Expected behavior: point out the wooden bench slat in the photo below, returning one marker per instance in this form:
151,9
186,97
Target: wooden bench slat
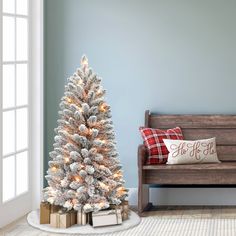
191,177
226,153
199,167
192,121
223,136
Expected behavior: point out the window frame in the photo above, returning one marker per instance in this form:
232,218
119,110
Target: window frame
16,107
36,124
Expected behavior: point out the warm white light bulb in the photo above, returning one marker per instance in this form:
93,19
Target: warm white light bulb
116,175
102,167
80,82
53,168
69,100
74,201
104,186
84,61
77,178
120,189
103,107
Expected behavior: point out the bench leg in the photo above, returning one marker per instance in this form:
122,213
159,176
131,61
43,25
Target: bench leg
143,196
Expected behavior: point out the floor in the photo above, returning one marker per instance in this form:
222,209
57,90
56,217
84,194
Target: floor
194,212
176,214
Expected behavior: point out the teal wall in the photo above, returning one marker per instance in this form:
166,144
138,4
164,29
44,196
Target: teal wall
168,56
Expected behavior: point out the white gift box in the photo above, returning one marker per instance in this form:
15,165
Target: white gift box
107,217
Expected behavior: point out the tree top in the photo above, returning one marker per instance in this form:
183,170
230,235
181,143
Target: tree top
84,61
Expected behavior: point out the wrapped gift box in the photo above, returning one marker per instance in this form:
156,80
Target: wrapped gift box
106,218
65,220
45,209
73,217
55,208
125,210
81,217
62,220
124,207
55,220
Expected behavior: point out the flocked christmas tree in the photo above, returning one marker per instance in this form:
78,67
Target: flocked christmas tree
84,168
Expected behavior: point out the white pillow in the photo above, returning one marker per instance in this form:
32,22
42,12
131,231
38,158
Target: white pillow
191,152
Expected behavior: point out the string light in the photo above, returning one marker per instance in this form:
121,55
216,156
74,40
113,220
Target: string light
104,186
99,92
102,141
120,189
103,107
54,168
66,159
102,167
84,62
80,81
74,201
69,100
77,178
117,175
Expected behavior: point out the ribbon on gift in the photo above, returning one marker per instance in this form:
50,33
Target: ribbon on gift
104,213
55,220
118,216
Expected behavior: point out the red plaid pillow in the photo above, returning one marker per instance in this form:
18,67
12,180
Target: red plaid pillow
153,140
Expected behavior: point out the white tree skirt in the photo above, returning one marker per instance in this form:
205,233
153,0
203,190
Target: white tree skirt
33,219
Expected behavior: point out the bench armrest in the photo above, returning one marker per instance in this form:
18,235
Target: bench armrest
142,155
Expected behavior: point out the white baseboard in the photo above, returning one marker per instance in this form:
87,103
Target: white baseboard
187,196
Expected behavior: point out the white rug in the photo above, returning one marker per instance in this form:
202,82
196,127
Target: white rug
149,226
134,220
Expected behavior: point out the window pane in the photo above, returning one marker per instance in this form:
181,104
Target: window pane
21,84
8,180
21,128
22,7
8,38
21,39
8,6
8,93
8,126
21,172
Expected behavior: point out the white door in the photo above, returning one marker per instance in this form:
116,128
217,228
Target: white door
15,159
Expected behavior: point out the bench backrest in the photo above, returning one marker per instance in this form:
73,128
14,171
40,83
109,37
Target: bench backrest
223,127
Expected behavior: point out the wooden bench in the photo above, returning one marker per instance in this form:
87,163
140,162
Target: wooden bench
223,127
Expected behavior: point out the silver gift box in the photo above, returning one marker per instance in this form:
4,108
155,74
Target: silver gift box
106,218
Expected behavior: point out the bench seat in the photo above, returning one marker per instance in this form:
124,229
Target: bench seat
199,174
200,167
